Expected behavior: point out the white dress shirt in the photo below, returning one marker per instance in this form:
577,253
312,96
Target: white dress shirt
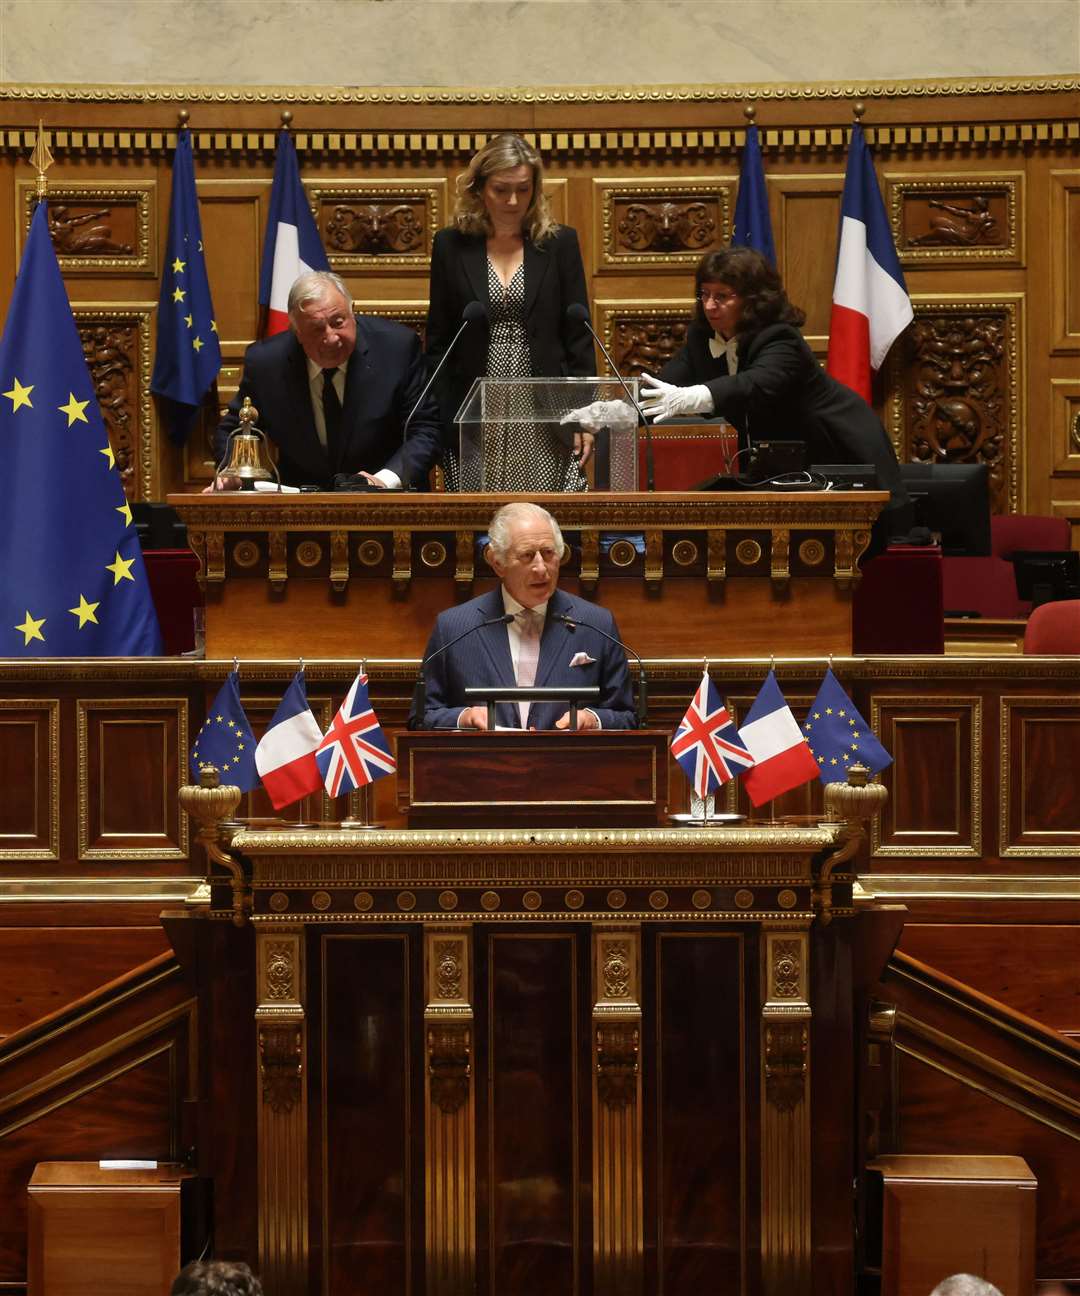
315,385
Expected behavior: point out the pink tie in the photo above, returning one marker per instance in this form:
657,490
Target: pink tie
528,655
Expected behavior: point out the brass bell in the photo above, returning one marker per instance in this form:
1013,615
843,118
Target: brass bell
244,452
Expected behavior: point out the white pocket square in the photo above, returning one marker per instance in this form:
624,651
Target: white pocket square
582,659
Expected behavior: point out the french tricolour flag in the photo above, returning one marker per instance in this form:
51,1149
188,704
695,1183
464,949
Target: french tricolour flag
782,757
292,245
871,307
285,756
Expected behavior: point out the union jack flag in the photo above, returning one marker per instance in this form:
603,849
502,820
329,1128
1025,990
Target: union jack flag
707,744
354,750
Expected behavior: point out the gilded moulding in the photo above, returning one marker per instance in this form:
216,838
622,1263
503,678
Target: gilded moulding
287,96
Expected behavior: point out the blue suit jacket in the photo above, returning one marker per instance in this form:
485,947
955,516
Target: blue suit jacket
484,658
383,381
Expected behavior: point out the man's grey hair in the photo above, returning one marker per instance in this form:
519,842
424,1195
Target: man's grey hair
509,516
965,1285
314,287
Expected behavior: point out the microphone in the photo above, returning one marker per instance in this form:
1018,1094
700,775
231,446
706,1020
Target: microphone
419,698
579,314
474,310
643,683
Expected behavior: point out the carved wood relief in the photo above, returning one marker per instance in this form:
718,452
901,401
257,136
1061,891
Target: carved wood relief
659,226
368,227
97,229
956,384
938,220
643,335
115,338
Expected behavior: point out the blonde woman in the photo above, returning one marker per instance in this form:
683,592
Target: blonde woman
505,251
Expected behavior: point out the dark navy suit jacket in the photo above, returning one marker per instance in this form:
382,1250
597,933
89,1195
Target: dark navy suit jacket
383,381
484,658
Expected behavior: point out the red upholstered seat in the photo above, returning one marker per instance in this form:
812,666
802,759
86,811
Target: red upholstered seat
988,585
1054,628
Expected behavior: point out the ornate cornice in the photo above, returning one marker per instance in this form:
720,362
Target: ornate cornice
287,96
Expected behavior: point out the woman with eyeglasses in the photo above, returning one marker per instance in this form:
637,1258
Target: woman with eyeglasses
746,359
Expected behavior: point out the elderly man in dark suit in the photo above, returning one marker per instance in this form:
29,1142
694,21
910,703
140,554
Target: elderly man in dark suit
333,393
526,639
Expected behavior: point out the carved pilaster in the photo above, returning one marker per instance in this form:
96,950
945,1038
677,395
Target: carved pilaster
785,1112
449,1111
618,1216
282,1110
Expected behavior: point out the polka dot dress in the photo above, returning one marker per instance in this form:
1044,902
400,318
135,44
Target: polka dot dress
520,455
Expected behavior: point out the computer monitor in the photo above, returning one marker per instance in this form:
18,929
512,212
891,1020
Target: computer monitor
1046,575
953,501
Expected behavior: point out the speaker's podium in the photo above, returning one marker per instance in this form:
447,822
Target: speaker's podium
597,778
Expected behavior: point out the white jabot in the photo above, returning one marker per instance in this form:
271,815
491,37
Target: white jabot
719,346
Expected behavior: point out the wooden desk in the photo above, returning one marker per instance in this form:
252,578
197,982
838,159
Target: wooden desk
95,1230
352,575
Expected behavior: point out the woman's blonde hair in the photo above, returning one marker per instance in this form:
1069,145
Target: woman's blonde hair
502,153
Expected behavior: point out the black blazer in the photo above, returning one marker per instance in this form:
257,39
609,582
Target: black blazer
781,392
554,279
383,380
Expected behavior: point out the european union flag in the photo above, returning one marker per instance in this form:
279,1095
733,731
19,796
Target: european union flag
225,740
753,228
73,578
188,356
838,736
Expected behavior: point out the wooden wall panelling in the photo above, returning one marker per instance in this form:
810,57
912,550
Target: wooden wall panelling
108,1079
132,753
806,219
936,781
1065,268
1027,966
699,1084
534,1228
1065,430
29,779
1040,752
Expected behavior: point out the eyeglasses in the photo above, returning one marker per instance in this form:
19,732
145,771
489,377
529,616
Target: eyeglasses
720,298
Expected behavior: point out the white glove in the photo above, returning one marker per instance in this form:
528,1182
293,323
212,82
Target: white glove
609,413
661,400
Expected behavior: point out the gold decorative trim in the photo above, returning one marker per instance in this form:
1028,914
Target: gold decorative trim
1013,780
607,191
50,812
101,890
157,705
970,886
929,710
431,192
1010,252
143,258
1011,306
147,471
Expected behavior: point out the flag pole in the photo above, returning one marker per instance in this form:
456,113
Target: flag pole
41,159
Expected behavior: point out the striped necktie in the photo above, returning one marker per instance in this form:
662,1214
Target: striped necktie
528,655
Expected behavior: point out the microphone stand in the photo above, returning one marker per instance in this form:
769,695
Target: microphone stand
419,698
643,683
578,313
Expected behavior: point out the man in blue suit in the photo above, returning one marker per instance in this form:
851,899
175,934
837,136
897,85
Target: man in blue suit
525,550
333,393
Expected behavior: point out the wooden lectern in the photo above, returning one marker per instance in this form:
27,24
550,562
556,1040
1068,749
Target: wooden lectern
615,778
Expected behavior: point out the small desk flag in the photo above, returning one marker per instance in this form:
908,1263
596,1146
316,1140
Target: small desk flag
73,582
782,759
871,306
188,355
753,227
285,756
292,245
707,744
225,739
355,750
838,736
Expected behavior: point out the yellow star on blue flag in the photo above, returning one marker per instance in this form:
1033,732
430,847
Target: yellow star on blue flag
63,515
183,374
838,736
225,739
